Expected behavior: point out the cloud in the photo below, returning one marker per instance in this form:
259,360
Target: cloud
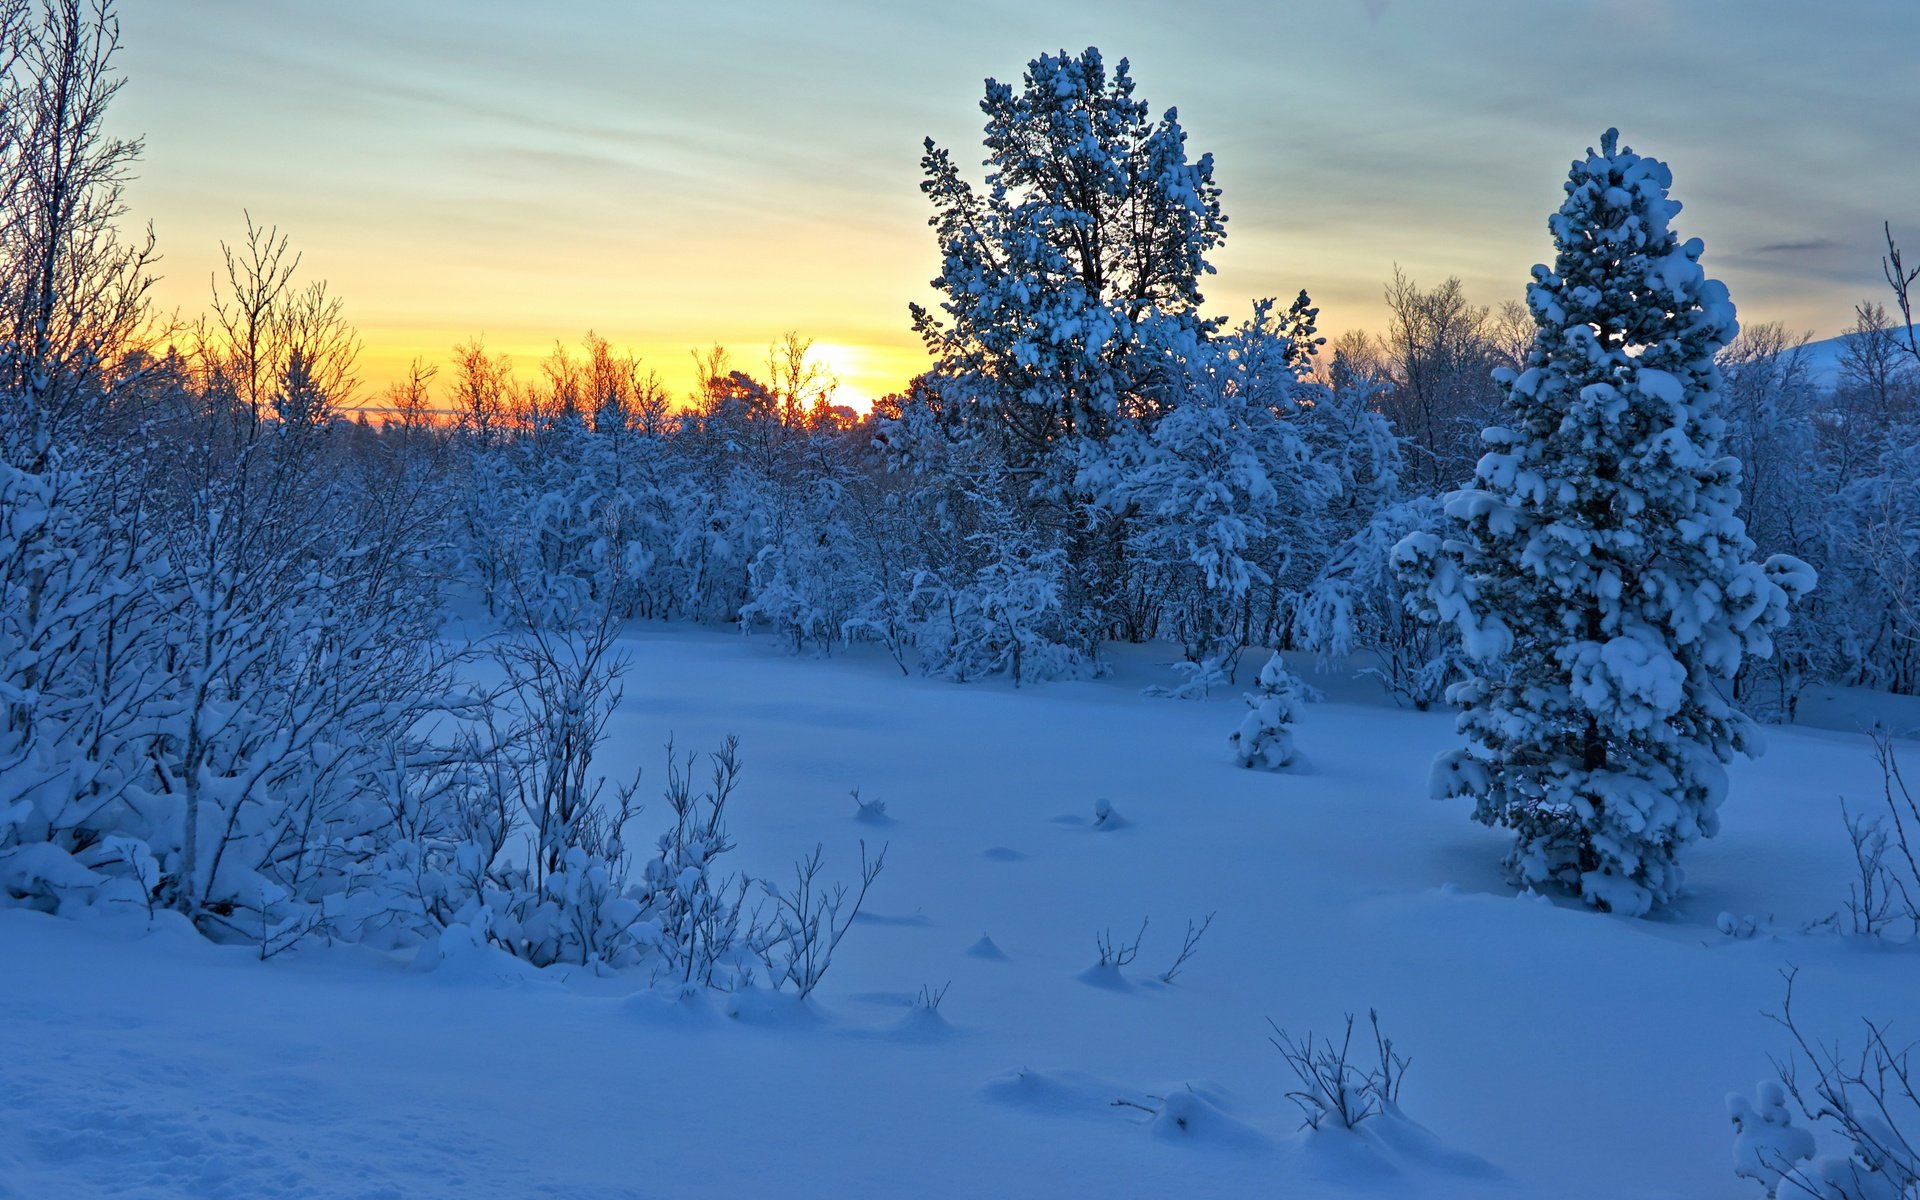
1816,246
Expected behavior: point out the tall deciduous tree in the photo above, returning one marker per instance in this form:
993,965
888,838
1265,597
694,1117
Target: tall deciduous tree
1597,569
73,293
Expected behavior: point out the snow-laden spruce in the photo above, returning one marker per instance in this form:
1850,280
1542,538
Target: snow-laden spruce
1601,583
1265,736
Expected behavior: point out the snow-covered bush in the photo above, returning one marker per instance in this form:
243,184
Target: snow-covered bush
1008,619
1770,406
777,599
1885,889
1265,736
81,626
1876,537
796,941
1197,679
1596,572
1004,609
696,911
1115,954
1870,1098
553,886
516,839
212,653
1334,1089
1766,1142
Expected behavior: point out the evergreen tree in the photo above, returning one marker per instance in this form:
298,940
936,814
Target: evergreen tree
1265,736
1083,251
1596,570
1092,222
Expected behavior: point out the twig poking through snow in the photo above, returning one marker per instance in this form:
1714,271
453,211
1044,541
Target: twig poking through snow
1188,946
1114,955
1331,1087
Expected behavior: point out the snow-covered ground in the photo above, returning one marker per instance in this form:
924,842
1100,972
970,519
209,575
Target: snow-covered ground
1555,1051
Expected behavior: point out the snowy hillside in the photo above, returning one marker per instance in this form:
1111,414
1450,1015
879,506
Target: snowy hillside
1822,359
1555,1051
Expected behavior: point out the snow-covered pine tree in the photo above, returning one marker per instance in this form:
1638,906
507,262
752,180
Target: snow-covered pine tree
1598,575
1093,221
1091,233
1265,736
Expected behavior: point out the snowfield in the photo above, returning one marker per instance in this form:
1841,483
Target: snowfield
1555,1051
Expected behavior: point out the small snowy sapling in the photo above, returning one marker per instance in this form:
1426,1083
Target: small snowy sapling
1265,736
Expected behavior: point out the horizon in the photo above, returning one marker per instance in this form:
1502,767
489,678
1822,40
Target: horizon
673,181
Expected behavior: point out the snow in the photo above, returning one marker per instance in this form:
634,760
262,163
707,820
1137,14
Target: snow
1768,1144
1822,358
1555,1050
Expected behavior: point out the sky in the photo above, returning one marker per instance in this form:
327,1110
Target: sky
677,175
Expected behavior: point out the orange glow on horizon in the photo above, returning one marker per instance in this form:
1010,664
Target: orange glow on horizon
862,370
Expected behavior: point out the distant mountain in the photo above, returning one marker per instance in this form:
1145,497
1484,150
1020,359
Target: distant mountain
1823,360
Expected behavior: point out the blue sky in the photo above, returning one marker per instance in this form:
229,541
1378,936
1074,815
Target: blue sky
673,175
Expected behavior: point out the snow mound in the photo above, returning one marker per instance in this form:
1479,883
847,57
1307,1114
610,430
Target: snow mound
1387,1147
986,948
1066,1093
922,1024
665,1008
770,1010
462,956
1105,975
1189,1118
1182,1113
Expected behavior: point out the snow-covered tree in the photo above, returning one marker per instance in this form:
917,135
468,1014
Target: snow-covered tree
1358,604
1875,530
1094,226
1596,571
1093,220
1441,350
1265,736
1772,428
1224,491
